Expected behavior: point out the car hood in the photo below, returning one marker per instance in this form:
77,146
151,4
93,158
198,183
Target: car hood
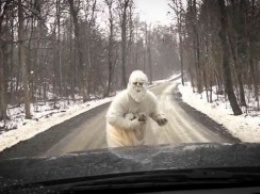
130,159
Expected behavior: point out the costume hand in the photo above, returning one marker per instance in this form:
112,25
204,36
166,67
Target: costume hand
135,124
142,117
161,120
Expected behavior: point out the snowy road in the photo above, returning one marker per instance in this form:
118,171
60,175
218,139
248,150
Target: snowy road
183,127
87,131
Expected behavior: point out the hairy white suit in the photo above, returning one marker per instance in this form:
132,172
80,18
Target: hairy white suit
128,114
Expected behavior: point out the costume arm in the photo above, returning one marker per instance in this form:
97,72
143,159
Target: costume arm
156,114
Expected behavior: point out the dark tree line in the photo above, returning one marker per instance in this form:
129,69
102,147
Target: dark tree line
220,43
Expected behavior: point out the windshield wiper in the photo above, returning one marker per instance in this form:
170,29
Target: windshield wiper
156,180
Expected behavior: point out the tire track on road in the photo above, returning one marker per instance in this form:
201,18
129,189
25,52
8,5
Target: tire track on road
186,125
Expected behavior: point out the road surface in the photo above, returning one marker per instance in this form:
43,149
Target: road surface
87,131
182,128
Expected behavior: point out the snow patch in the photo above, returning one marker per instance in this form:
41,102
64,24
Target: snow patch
246,127
43,120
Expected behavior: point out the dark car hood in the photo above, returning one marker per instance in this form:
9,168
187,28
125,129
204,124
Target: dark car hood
124,160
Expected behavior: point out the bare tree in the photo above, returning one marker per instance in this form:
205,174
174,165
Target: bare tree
22,55
238,43
226,66
177,6
123,9
109,4
148,41
58,16
3,8
74,13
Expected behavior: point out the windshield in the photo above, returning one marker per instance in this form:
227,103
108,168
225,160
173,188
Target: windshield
133,80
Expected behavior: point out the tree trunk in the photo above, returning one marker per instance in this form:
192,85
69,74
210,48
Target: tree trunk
23,60
110,48
29,63
254,70
257,86
197,48
124,41
226,66
3,114
204,73
12,62
181,58
178,9
150,56
59,48
83,81
238,71
3,104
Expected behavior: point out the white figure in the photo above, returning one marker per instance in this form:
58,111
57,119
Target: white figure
128,114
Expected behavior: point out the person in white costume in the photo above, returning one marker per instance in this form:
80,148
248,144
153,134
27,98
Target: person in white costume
127,116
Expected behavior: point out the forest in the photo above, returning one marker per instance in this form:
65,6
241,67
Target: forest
53,50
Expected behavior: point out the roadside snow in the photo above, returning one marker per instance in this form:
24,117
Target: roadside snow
246,127
42,121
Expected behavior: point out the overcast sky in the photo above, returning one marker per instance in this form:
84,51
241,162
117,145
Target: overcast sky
153,11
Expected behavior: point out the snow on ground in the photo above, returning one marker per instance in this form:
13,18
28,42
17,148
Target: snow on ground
246,127
45,118
46,115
